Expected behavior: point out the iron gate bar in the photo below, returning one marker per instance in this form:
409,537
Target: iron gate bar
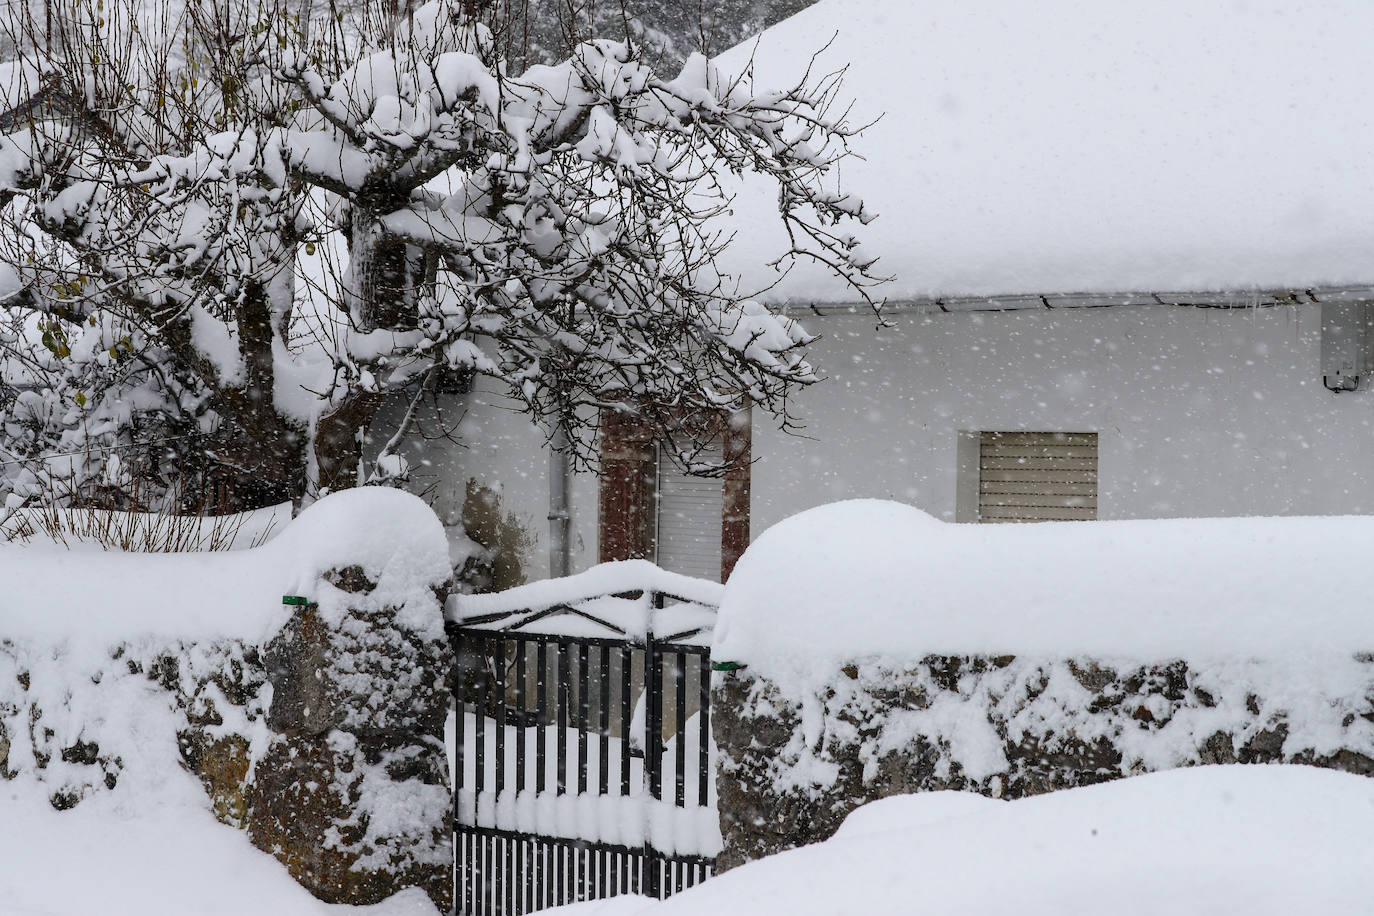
611,641
459,897
479,728
603,725
542,713
553,612
626,714
680,720
583,710
653,756
637,642
704,730
505,615
500,679
562,735
685,634
520,783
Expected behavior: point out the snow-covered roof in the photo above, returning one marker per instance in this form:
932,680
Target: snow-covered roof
871,578
1069,146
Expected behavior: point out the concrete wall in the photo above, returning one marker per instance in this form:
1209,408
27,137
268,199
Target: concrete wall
1200,412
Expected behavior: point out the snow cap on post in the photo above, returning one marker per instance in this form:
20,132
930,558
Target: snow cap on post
393,536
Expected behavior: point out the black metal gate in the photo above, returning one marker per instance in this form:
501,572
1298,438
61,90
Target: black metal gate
583,764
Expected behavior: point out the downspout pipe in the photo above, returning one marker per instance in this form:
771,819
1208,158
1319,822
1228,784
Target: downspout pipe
559,517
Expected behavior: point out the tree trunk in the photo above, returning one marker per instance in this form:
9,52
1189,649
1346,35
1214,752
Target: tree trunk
384,275
380,291
339,439
262,467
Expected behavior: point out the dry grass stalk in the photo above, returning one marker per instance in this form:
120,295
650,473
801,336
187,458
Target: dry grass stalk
73,519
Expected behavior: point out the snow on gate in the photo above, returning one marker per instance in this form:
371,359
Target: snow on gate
583,760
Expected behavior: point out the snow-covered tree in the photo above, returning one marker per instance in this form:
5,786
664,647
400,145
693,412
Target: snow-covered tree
226,218
151,314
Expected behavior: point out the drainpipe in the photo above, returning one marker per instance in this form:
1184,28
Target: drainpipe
558,501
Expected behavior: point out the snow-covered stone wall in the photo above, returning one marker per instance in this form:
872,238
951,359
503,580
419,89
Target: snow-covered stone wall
882,652
792,767
315,727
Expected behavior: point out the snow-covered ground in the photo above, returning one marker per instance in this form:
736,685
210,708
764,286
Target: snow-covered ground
125,856
1257,840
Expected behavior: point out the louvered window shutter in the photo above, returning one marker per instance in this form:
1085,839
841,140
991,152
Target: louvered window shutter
1037,477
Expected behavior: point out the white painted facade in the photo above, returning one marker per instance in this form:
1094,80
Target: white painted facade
1198,411
492,444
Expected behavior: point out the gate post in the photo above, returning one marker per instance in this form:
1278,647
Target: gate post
345,735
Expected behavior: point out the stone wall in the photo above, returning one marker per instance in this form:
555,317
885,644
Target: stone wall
793,762
326,744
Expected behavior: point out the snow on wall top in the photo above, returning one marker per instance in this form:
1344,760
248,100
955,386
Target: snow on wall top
603,579
1082,146
93,598
870,578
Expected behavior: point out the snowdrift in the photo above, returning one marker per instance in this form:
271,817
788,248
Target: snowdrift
873,578
97,599
1266,841
144,696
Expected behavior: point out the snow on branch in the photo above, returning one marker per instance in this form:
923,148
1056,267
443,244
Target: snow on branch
290,228
568,216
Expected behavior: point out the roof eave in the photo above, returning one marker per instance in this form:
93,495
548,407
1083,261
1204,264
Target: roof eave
1226,299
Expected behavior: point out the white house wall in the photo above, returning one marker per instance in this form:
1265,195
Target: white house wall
1200,412
495,446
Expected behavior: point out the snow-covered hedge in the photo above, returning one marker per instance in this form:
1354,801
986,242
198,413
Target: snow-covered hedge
885,652
316,727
